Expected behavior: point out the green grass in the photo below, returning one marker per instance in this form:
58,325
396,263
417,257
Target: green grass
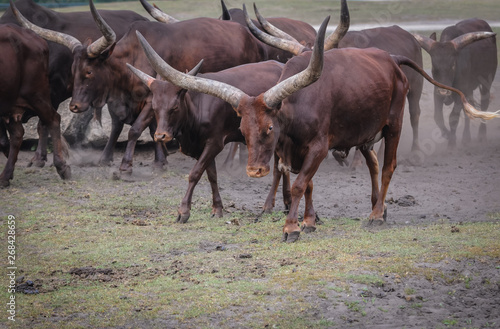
169,269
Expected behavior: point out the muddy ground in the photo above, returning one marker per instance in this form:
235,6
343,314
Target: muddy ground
435,185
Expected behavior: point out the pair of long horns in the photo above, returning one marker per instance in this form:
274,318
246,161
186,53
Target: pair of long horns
459,42
272,98
279,39
93,50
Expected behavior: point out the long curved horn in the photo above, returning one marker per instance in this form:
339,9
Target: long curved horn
108,38
64,39
271,29
157,14
468,38
425,42
285,88
146,78
226,16
333,40
287,45
230,94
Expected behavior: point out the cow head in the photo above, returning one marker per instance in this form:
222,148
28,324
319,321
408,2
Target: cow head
167,103
88,62
444,55
259,115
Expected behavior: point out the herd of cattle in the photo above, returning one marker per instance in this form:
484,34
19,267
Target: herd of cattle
274,84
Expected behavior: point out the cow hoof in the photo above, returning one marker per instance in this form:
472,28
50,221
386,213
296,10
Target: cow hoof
376,223
291,237
116,175
65,172
182,218
308,229
36,163
4,183
217,213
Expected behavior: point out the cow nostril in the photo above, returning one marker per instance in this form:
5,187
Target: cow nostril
160,137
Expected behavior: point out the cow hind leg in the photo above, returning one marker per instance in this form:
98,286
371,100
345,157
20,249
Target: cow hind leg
309,223
16,132
373,167
414,109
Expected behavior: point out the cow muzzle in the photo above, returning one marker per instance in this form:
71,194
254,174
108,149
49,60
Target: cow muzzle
258,172
163,137
77,107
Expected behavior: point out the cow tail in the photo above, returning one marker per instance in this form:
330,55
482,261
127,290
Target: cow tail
469,109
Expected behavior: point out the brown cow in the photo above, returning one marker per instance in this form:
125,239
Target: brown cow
203,124
24,93
357,100
465,57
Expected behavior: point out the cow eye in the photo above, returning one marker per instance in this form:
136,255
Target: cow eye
270,128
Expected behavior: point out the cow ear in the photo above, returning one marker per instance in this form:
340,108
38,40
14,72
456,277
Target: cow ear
433,36
105,54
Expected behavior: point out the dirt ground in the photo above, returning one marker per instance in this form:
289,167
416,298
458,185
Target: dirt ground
460,185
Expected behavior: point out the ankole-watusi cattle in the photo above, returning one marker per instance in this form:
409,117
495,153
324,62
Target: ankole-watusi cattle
101,75
203,124
337,100
24,93
80,25
300,31
465,57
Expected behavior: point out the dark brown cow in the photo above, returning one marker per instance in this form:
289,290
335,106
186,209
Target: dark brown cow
466,58
101,75
397,41
80,25
301,120
24,93
203,124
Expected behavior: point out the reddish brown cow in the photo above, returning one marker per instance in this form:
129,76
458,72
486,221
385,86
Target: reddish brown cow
358,100
203,124
24,93
101,75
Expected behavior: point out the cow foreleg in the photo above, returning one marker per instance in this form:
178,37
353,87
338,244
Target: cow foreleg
160,148
143,120
438,115
414,109
485,103
16,132
4,140
54,125
40,156
291,230
271,197
116,129
205,160
216,199
454,118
